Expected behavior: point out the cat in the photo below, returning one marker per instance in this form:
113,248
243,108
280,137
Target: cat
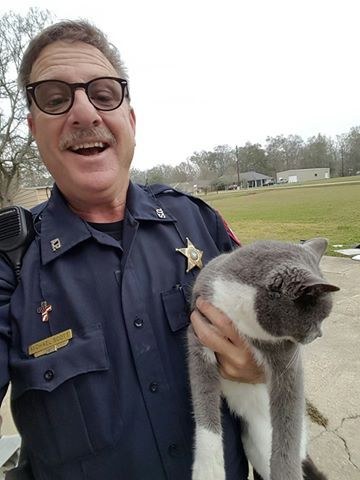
275,294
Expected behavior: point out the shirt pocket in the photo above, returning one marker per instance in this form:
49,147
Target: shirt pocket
176,303
64,403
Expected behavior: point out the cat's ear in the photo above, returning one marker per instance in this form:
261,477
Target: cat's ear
294,282
317,246
319,287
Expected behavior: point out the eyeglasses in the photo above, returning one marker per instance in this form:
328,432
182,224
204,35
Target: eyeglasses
55,97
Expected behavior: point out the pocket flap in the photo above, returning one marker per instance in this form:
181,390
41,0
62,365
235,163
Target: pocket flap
176,307
84,353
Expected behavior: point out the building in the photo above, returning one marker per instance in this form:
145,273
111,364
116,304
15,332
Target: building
28,197
245,180
302,175
254,179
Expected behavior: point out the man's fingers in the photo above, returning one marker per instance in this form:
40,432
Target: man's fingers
207,333
240,369
235,363
210,336
217,332
224,325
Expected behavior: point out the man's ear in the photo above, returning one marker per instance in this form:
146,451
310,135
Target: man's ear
132,117
31,124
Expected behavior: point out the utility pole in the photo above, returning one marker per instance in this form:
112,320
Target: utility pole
237,164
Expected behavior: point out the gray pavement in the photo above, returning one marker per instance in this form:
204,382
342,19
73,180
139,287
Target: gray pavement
332,378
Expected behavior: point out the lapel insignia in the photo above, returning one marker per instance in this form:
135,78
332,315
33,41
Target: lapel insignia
55,244
160,213
193,255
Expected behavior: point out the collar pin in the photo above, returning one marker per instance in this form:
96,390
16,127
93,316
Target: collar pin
160,213
55,244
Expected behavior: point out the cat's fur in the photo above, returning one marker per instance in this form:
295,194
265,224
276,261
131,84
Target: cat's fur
275,294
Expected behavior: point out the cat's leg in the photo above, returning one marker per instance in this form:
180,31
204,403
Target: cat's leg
206,397
287,408
310,471
251,403
257,476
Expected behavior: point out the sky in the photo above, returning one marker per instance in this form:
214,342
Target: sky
205,73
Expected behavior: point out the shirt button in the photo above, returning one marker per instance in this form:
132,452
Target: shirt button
175,450
138,322
153,387
49,375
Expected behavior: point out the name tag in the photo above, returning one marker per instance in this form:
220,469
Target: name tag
51,344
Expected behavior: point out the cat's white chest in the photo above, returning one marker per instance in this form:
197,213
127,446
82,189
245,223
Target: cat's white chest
251,403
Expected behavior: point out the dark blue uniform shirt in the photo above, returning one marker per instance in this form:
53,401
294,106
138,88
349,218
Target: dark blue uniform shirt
113,403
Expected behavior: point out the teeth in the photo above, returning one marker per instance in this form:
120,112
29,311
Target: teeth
88,145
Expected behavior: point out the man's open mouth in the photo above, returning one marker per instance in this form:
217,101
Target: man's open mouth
89,148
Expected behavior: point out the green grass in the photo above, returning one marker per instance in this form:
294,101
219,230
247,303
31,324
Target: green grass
326,209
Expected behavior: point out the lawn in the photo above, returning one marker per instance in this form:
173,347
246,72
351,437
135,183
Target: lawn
327,209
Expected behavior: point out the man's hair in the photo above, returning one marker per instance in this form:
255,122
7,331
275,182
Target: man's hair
70,31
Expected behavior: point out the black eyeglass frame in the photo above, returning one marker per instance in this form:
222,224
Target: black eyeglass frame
31,95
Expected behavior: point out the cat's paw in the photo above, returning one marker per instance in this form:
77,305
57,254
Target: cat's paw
209,457
211,470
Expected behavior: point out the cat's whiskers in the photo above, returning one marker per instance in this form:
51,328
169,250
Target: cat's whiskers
290,363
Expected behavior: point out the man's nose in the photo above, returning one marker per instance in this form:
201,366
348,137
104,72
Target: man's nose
83,113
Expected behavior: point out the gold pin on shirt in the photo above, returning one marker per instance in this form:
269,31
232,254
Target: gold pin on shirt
193,255
51,344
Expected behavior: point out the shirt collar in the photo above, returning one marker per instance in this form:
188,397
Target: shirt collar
62,229
142,204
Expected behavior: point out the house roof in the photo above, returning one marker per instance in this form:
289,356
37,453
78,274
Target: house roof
247,176
253,176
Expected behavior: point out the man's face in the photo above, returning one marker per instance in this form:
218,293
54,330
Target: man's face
102,170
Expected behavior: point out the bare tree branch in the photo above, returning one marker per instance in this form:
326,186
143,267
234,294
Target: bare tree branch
19,159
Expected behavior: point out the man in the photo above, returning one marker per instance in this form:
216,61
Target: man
93,336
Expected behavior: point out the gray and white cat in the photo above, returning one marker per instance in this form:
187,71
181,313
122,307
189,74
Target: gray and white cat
276,295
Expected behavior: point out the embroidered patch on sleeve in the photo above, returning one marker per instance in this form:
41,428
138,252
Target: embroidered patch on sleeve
229,231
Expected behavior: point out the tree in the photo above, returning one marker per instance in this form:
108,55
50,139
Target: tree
203,163
160,174
252,158
285,153
184,172
352,152
19,159
224,160
318,152
138,176
212,164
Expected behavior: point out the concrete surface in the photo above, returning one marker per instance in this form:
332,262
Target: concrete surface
332,378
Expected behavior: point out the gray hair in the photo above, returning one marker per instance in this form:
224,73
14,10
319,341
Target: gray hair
71,31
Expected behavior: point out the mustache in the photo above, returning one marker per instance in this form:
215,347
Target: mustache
95,134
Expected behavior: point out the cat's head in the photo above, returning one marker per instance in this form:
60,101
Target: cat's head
296,294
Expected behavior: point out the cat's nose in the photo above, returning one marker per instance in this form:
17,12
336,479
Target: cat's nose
313,335
316,334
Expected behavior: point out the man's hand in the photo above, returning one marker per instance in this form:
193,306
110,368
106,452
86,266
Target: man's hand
235,360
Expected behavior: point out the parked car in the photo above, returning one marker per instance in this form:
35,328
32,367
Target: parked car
233,187
270,181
